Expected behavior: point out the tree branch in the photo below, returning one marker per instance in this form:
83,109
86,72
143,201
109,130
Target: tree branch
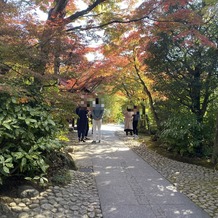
83,12
107,24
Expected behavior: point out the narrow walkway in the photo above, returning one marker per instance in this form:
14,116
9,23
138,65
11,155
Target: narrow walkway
129,187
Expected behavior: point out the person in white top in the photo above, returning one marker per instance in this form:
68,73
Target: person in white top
97,114
128,121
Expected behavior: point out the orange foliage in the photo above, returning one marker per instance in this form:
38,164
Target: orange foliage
23,100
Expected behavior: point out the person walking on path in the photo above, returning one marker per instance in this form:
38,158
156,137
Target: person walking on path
136,117
128,121
97,114
87,127
77,120
82,122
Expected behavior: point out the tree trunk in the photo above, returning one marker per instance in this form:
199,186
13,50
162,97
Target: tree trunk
148,123
151,102
142,119
148,93
215,148
195,94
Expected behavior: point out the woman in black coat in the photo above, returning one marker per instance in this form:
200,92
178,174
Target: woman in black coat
82,122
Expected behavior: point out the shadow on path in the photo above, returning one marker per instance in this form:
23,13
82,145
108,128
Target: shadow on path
128,186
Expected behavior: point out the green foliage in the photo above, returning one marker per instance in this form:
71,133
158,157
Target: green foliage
27,134
41,180
184,135
63,104
184,66
113,108
62,177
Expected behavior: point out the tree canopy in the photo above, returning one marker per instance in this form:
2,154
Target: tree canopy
159,54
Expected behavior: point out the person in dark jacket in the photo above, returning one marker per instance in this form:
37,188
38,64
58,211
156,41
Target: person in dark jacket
82,122
88,116
136,117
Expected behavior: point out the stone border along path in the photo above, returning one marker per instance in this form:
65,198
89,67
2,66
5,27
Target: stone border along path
198,183
80,199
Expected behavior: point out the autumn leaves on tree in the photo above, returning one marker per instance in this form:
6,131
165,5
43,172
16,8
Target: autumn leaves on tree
158,53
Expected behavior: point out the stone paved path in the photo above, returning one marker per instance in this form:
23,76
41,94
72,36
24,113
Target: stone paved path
128,187
80,199
200,184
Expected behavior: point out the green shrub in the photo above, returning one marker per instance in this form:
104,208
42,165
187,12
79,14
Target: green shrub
62,177
27,134
184,135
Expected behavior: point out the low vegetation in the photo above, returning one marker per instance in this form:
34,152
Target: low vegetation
31,149
163,150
